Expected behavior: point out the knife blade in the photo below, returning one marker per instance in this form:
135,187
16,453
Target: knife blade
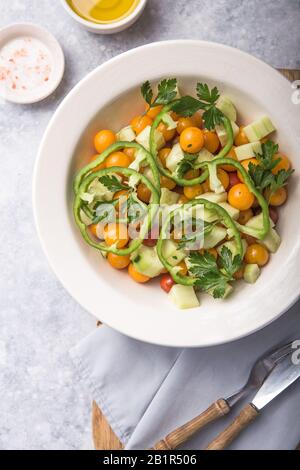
283,375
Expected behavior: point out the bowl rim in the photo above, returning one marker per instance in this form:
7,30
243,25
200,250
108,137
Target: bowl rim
141,334
57,54
106,26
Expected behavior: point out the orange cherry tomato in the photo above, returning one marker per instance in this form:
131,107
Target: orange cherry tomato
238,275
153,112
163,154
197,120
206,186
191,140
183,268
167,282
130,152
116,233
118,159
279,197
257,254
93,229
240,197
122,196
233,179
166,182
104,139
139,123
231,154
212,251
245,216
117,261
183,123
241,138
211,141
245,164
223,177
183,199
284,163
136,276
143,193
192,191
168,134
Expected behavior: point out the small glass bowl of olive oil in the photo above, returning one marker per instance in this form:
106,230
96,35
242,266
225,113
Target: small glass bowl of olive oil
105,16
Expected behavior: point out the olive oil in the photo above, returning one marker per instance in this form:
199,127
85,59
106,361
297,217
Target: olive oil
103,11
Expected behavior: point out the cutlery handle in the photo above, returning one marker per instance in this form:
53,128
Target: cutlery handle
224,439
183,433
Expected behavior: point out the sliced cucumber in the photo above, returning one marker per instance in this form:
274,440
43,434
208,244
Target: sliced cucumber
172,253
231,245
243,152
257,222
169,121
147,262
213,197
251,273
214,237
138,161
174,157
144,138
148,173
232,211
259,129
272,241
126,134
222,134
168,197
227,107
205,156
184,296
228,291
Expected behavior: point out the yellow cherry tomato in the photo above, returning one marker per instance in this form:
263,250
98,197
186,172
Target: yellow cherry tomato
104,139
93,229
279,197
231,154
183,123
118,262
100,166
163,154
153,112
241,138
223,177
139,123
192,174
197,120
183,268
166,182
143,193
130,152
136,276
257,254
168,134
206,186
192,191
191,140
284,163
240,197
116,233
211,141
123,196
212,251
118,159
245,164
245,216
183,199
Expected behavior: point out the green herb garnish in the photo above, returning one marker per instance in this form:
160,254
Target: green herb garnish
190,240
167,91
112,183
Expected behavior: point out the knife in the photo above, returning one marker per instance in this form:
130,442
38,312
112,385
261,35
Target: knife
283,375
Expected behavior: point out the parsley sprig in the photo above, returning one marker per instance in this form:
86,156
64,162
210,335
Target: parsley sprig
187,163
262,175
211,277
167,91
190,240
207,100
112,183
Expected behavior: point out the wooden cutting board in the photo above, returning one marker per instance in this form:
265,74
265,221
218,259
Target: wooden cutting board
103,436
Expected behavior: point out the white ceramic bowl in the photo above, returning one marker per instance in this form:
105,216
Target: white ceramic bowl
144,311
110,28
16,30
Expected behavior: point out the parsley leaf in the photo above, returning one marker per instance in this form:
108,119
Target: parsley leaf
147,92
189,240
112,183
262,175
212,116
186,106
209,277
186,164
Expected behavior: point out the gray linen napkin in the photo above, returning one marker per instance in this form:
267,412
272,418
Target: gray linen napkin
146,391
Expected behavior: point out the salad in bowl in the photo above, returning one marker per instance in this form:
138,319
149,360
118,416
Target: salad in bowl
184,193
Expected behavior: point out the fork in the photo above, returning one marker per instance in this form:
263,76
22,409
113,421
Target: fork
221,407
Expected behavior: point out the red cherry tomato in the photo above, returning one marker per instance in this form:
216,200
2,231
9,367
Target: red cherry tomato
233,179
167,282
273,214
